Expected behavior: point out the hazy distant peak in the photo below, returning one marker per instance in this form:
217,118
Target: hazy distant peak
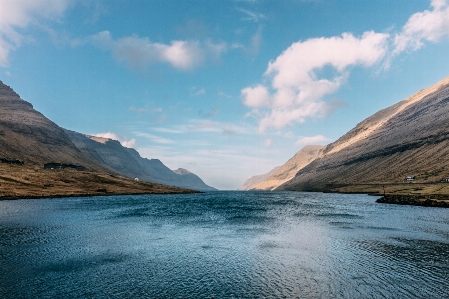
181,171
287,171
257,179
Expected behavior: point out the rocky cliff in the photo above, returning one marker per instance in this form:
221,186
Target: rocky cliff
408,138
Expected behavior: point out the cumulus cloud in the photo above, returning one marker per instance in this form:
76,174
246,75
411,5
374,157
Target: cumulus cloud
429,25
318,139
297,90
257,96
15,16
123,140
307,72
140,51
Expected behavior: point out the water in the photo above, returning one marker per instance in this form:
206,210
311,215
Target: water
222,245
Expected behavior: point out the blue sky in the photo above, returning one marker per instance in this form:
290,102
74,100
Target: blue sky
225,89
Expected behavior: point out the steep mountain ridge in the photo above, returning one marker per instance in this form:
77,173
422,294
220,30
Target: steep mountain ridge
408,138
128,162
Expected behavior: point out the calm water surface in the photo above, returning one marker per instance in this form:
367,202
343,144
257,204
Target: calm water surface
222,245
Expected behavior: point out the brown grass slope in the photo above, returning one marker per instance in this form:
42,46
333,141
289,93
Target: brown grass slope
287,171
32,181
408,138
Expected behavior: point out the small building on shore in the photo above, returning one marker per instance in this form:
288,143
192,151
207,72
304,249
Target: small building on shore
54,165
11,161
411,178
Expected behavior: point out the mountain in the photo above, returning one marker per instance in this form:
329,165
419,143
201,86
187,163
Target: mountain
410,138
128,162
27,135
287,171
191,179
257,179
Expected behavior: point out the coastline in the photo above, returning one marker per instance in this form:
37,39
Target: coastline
426,194
438,201
49,196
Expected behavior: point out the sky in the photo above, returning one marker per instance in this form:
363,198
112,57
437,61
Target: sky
226,89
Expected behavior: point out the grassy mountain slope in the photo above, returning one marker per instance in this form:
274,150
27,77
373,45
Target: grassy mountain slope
408,138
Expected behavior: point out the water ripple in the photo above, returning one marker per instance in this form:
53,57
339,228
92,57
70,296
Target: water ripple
222,245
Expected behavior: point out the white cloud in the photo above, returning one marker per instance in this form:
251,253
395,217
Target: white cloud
257,96
256,42
214,127
254,45
141,52
154,138
318,139
297,91
429,25
224,95
129,143
166,130
200,92
252,16
15,16
123,140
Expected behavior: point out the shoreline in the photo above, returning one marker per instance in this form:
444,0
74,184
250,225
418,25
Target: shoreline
50,196
437,201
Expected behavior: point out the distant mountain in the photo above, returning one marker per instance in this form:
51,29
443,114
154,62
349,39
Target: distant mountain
257,179
128,162
410,138
27,135
191,179
287,171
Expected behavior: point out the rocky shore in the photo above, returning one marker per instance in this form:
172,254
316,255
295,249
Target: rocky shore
440,201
